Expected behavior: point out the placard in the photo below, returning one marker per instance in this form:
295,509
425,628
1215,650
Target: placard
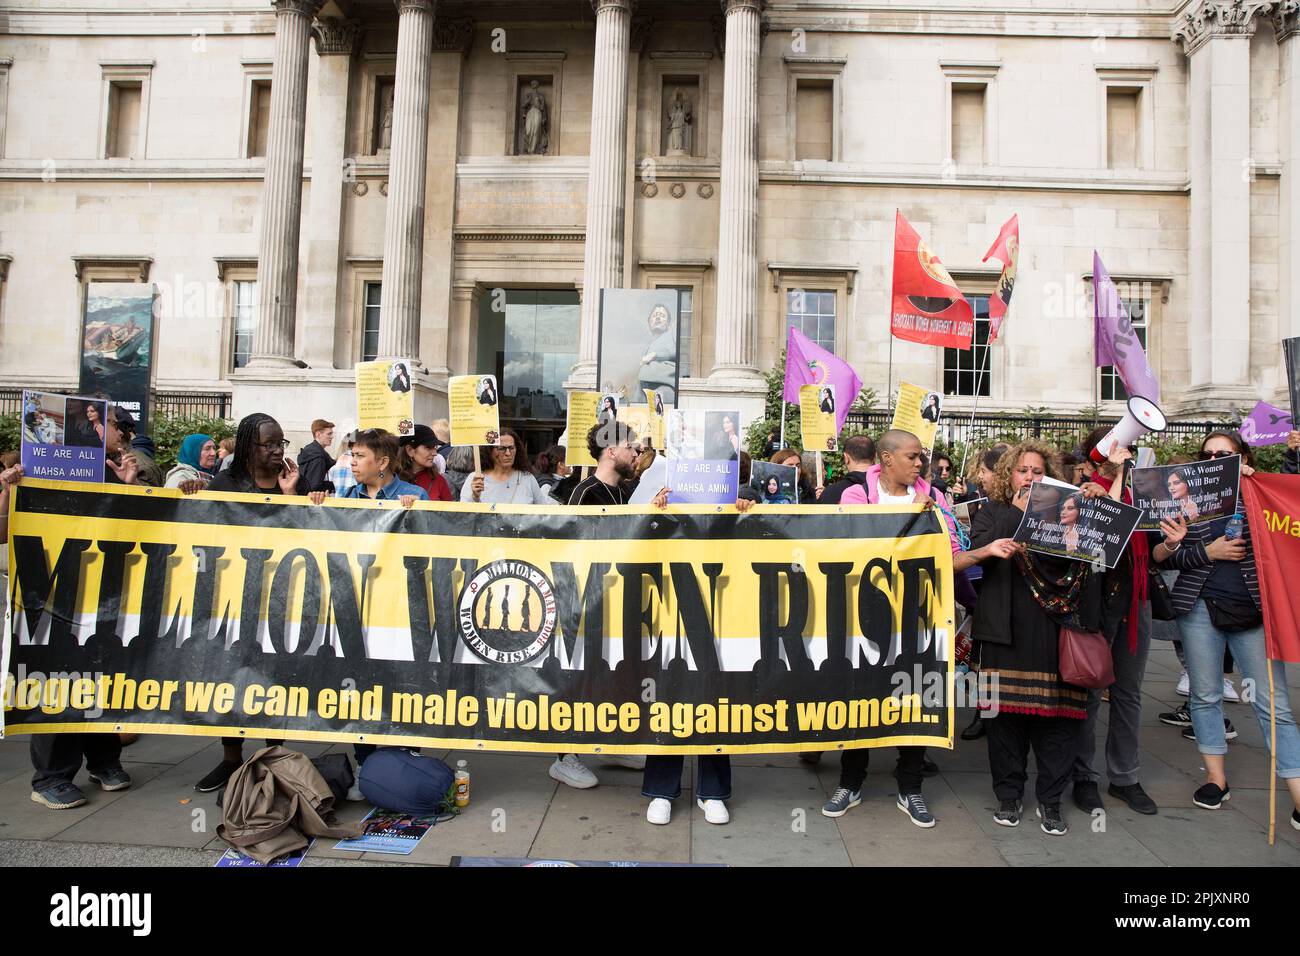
1060,522
917,410
579,423
703,449
775,484
817,406
63,437
1198,491
385,397
474,411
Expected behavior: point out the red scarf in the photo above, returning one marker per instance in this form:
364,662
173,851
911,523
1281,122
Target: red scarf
1141,564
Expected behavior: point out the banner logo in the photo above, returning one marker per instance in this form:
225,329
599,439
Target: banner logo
508,612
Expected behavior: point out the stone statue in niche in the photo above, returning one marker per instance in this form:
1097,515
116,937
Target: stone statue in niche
385,139
534,118
680,121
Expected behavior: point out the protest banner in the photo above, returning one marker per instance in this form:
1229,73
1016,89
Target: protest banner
117,338
775,484
474,410
1198,491
703,451
1266,425
817,416
1273,510
1059,521
917,410
638,343
927,306
385,398
495,628
63,436
581,418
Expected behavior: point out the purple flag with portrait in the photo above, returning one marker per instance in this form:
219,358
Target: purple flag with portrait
1114,341
807,363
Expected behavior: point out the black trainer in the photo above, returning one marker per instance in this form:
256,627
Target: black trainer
976,730
1008,813
1135,797
1229,731
1181,717
216,779
1053,824
1210,796
1087,797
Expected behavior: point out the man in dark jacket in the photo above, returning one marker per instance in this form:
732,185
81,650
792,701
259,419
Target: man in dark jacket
1291,458
314,461
141,446
859,455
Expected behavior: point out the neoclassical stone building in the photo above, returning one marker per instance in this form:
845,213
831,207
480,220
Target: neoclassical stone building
311,184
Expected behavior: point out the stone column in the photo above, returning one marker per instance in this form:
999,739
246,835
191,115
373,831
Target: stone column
319,328
277,250
1215,35
399,322
602,266
736,315
1286,24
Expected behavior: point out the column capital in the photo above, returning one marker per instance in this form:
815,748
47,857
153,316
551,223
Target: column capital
305,8
1286,19
732,6
619,6
454,35
1211,18
335,36
425,6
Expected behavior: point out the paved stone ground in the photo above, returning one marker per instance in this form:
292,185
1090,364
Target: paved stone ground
154,823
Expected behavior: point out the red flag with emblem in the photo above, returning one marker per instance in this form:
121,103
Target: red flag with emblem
927,305
1006,249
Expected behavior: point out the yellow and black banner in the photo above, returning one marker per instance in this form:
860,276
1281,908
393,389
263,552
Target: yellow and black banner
627,630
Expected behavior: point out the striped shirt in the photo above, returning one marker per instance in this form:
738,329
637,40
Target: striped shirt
1194,566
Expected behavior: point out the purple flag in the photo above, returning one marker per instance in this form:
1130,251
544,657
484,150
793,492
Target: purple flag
1114,341
1266,425
807,363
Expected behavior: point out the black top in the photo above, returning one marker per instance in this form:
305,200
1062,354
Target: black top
314,464
592,491
1195,566
832,493
226,481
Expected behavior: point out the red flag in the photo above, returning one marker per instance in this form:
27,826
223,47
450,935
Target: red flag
1006,247
1273,510
927,305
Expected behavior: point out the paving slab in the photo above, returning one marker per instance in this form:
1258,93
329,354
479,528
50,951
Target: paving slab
608,823
1185,837
32,821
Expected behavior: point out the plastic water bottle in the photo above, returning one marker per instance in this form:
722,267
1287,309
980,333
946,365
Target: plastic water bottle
462,784
1236,527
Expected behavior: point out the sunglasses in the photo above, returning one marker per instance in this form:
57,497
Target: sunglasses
1211,455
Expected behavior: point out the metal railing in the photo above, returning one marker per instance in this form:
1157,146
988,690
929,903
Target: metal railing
212,404
1060,430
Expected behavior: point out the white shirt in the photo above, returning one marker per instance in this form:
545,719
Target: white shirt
904,499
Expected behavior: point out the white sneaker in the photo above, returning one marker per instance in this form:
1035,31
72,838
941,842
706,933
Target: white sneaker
571,771
1229,692
659,812
715,811
354,794
631,761
1184,688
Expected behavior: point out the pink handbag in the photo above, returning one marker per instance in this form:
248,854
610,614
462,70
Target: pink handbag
1085,659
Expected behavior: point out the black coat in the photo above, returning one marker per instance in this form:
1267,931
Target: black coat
314,464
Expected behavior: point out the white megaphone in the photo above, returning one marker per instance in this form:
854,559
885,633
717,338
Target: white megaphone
1143,416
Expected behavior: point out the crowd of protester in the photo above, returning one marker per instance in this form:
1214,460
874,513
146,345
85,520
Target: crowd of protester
1018,600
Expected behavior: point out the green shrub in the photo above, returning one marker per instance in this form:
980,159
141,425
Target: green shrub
10,433
168,431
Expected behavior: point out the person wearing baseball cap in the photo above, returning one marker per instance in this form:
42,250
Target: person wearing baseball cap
418,463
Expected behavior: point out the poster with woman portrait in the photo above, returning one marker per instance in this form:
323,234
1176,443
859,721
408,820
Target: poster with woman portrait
63,436
917,410
1198,491
474,410
703,450
639,344
775,484
581,417
817,404
1061,522
385,398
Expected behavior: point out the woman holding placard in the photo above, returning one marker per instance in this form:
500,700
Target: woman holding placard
1217,602
507,479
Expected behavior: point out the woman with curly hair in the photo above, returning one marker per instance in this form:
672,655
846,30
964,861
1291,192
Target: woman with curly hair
1024,600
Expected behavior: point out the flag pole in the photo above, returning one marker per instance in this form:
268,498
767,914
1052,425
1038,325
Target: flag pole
783,419
979,373
889,392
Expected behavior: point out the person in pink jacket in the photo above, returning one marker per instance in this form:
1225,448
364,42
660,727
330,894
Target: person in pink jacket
899,480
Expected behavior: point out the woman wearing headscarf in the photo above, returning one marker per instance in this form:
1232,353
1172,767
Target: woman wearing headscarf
195,462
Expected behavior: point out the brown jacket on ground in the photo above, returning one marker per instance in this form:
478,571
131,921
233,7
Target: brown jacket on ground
274,802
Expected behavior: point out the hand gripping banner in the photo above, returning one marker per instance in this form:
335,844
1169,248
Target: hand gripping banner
695,630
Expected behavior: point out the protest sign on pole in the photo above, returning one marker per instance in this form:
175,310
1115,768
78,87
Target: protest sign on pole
1059,521
474,410
1267,425
581,419
817,417
385,397
447,626
917,410
1197,492
117,343
63,436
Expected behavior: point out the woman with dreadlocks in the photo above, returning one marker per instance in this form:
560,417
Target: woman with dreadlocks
259,467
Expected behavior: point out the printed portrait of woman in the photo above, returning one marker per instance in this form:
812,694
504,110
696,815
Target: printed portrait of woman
930,407
772,493
659,360
399,377
827,401
1068,518
84,424
724,440
487,392
1181,493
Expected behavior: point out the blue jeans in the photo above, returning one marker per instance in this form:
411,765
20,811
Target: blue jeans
663,777
1203,643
